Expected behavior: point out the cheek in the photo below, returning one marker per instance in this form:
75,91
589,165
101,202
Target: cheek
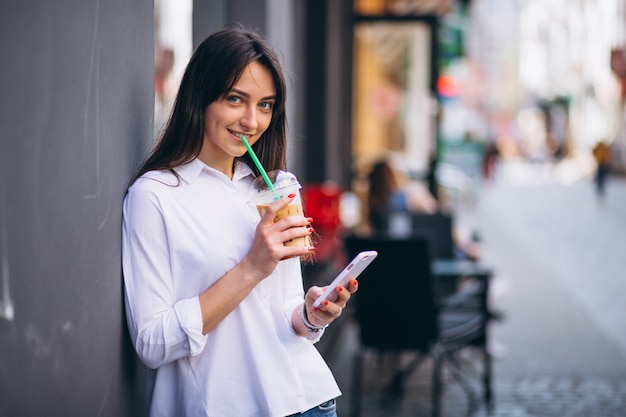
265,121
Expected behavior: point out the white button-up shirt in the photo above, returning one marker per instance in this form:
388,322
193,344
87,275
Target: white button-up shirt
179,238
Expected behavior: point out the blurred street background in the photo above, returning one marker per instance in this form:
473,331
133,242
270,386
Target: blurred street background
559,261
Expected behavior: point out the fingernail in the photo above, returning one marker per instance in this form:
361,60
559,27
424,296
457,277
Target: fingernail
354,282
314,309
325,303
309,219
310,229
311,248
292,195
339,289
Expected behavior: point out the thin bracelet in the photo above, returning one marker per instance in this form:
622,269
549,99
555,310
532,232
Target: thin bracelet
309,326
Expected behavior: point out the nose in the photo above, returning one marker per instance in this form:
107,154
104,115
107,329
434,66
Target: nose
249,118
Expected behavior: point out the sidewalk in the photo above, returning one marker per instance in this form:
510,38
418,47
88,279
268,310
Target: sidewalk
560,263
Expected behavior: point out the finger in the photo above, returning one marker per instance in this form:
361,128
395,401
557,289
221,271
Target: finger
290,232
296,251
297,222
312,294
329,308
328,311
343,295
353,286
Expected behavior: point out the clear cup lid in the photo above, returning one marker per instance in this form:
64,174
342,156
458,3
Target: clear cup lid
280,179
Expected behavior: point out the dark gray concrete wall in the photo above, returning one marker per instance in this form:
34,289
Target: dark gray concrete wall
211,15
76,109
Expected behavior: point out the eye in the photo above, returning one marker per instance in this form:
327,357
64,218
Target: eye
233,99
267,105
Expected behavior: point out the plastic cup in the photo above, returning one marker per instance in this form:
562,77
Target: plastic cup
284,183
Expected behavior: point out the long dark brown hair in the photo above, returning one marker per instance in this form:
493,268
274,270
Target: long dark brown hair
382,183
212,71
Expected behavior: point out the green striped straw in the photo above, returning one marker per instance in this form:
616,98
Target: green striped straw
260,167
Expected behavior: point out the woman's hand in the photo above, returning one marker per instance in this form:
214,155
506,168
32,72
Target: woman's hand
328,311
268,246
267,250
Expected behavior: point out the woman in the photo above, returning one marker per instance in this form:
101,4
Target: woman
215,301
389,201
386,195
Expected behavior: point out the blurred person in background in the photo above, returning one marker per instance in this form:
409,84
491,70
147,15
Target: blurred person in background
389,192
602,154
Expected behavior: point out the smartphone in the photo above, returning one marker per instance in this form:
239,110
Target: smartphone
352,271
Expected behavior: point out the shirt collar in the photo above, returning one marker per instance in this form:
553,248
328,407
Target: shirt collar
191,171
242,170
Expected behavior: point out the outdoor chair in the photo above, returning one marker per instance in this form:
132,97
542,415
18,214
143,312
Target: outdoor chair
458,281
439,226
398,313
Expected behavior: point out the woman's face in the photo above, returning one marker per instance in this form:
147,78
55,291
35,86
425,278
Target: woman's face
245,110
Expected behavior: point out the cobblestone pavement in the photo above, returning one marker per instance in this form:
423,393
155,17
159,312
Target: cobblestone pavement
560,350
533,394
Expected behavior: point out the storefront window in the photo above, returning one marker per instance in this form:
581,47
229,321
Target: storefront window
401,7
392,102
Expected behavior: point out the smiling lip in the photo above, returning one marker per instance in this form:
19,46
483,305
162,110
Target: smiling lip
239,135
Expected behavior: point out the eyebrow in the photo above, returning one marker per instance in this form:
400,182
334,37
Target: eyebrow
243,93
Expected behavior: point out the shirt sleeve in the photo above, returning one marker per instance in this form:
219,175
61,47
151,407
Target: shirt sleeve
293,292
163,329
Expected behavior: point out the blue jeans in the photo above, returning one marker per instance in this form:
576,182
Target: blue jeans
327,409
